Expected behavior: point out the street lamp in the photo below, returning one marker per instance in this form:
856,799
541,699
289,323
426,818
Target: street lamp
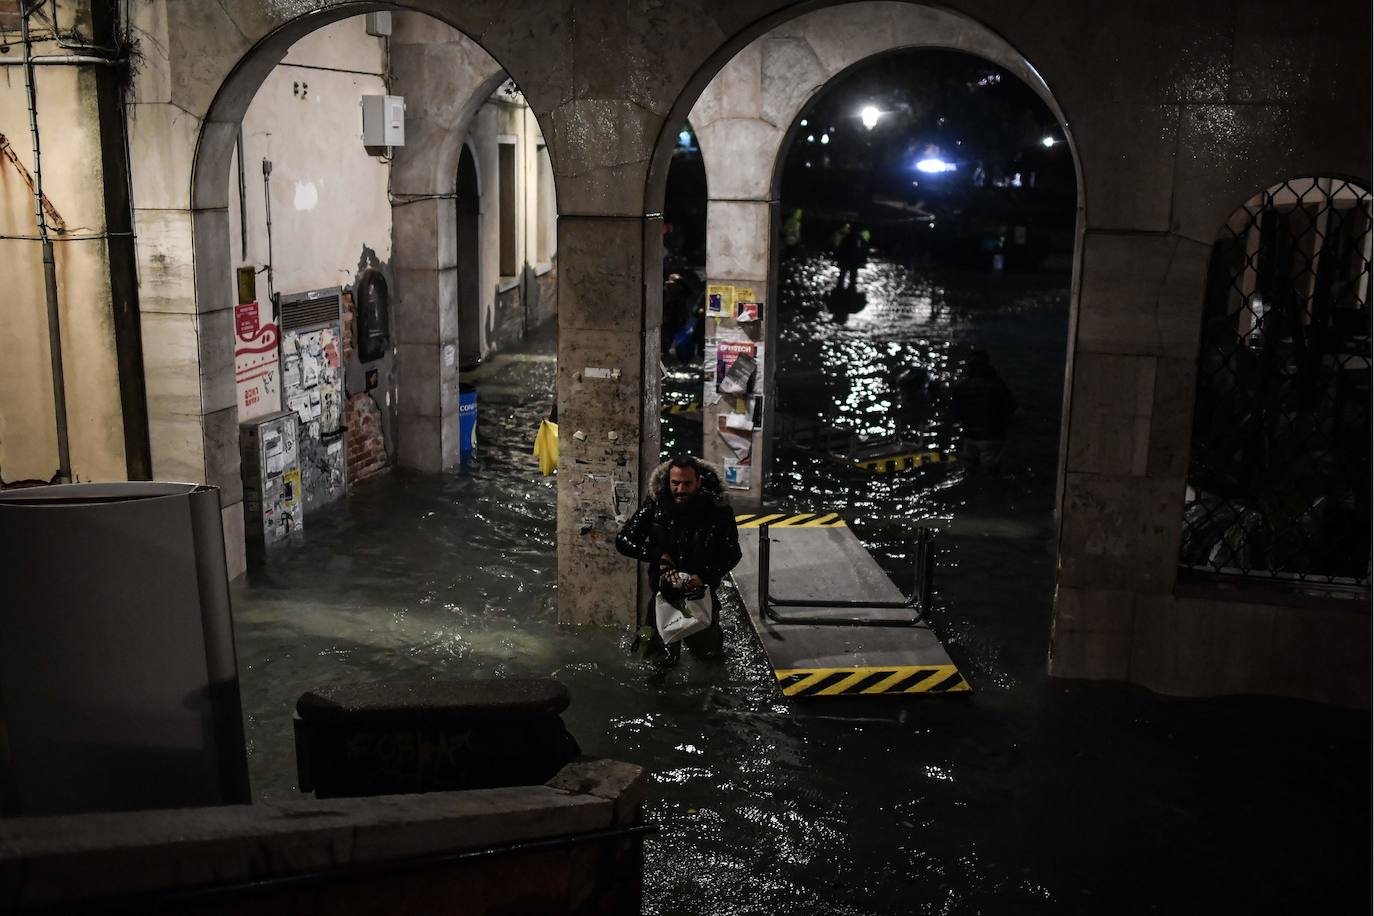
933,165
869,114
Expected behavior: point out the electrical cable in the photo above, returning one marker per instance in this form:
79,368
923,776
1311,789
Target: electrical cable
67,238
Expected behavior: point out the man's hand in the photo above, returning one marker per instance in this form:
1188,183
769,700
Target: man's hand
680,581
665,564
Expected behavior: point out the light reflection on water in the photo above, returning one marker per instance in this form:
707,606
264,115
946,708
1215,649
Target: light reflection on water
973,804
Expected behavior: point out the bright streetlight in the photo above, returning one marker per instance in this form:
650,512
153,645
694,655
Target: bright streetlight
934,166
869,114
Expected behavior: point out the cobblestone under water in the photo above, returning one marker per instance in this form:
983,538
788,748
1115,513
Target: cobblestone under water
1029,796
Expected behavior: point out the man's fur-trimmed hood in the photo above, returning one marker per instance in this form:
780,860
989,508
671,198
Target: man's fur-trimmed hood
711,484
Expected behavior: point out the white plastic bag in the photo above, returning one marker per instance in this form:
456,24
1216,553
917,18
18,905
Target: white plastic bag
683,616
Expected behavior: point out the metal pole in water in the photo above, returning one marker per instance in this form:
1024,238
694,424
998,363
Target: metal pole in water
927,584
763,570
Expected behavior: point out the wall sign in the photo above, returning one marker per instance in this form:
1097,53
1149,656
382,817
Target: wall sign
257,374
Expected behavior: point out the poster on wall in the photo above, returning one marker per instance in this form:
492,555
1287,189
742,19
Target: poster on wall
735,365
737,432
720,301
257,372
313,388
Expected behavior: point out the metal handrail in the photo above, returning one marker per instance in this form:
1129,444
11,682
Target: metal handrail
918,601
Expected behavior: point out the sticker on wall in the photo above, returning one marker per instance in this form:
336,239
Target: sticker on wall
747,310
736,475
720,301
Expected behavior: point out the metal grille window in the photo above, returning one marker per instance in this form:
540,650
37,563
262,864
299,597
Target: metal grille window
1279,477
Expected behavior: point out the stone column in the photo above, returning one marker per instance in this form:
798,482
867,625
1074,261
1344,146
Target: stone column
424,255
1129,430
186,310
445,77
608,394
738,254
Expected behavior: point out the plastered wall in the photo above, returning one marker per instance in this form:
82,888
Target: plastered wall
329,193
72,179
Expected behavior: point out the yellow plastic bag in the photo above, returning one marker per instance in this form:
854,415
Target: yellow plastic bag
546,447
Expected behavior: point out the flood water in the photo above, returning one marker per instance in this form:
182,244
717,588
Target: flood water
1027,796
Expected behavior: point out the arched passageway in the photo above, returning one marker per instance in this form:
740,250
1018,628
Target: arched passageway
683,329
1167,147
1154,183
839,376
380,268
744,118
436,247
469,205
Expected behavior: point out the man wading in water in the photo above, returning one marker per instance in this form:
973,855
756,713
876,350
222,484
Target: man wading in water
685,525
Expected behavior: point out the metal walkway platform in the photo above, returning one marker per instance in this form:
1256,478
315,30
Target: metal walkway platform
826,563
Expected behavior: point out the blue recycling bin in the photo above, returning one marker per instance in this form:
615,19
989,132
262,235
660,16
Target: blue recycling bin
467,417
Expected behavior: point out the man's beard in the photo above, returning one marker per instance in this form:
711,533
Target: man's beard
686,504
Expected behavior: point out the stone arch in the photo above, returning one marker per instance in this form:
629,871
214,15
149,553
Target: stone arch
196,100
746,115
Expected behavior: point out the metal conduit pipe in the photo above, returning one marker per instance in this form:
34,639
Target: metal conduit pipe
59,385
62,60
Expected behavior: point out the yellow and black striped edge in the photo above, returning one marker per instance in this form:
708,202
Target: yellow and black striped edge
783,520
892,463
693,407
830,682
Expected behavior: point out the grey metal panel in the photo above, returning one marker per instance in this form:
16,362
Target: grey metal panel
117,672
828,564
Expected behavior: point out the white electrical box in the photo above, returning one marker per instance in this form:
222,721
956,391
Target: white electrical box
378,24
384,120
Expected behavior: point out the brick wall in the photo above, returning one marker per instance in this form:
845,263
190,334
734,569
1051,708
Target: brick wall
347,321
366,444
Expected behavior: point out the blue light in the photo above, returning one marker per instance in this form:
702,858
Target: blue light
685,138
934,166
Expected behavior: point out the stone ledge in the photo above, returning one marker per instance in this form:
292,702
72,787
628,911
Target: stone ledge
475,698
621,783
50,861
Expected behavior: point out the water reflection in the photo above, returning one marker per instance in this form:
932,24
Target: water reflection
1014,800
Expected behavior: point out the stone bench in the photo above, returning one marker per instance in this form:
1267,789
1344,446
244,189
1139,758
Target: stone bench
433,735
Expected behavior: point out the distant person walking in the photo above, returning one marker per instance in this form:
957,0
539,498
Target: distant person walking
791,230
983,406
850,254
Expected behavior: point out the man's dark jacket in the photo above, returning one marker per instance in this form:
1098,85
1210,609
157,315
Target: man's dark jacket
983,405
701,537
